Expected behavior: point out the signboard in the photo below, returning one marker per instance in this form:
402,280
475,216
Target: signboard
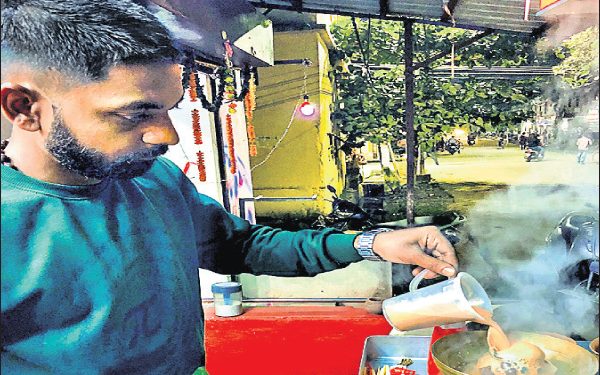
547,3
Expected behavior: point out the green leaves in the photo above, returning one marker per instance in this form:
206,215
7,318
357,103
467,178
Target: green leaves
579,55
519,97
375,111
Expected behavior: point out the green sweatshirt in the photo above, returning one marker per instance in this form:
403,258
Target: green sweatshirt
103,279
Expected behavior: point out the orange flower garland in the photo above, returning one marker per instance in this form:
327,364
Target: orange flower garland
196,127
193,87
250,106
201,166
197,130
230,143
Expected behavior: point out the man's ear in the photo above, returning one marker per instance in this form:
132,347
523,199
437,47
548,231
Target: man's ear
20,106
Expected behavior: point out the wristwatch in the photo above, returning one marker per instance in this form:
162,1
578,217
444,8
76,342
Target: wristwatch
365,244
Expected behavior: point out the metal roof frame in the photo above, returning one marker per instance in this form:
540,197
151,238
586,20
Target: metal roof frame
500,15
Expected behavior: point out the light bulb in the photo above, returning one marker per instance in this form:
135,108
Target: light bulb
307,108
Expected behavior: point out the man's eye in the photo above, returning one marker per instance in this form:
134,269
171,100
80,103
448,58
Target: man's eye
135,117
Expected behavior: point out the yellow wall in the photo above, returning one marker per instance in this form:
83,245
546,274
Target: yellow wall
303,164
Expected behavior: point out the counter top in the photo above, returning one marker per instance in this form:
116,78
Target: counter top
278,340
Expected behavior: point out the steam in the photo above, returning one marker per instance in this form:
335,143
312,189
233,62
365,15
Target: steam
508,253
509,257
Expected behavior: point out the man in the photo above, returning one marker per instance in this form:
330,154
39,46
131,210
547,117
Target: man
502,140
583,145
453,145
535,143
523,141
101,237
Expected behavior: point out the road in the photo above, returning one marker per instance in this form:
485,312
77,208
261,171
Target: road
507,166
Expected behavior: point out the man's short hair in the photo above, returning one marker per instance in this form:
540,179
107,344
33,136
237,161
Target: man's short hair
82,38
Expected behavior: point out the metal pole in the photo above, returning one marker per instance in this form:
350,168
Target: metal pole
409,119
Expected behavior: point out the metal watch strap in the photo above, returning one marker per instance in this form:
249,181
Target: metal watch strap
365,244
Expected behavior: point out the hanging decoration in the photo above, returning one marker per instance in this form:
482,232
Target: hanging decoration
196,127
230,144
198,140
230,95
249,107
225,93
201,166
191,81
193,86
307,108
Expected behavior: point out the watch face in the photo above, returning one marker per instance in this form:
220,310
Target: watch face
365,244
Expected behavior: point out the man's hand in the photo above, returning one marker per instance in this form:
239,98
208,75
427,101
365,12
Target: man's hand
425,247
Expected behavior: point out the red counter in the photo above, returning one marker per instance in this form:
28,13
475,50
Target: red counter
299,340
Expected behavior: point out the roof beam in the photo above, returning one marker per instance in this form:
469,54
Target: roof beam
384,7
457,46
297,5
267,5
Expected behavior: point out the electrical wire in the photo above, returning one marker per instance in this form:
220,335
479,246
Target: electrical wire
287,129
305,65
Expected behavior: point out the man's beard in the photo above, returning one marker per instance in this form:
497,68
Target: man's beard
91,163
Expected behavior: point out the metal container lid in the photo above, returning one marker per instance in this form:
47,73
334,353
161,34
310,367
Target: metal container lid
226,287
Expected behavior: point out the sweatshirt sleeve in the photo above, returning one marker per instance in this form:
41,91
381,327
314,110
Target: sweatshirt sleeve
232,245
228,244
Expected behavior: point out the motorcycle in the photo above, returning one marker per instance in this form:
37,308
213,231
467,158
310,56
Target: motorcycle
471,140
344,215
577,235
348,216
533,155
453,147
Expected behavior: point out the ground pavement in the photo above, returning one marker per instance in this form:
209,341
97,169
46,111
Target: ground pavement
508,166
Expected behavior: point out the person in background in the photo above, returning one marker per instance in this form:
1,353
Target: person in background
354,162
471,139
102,237
502,140
583,145
535,143
523,141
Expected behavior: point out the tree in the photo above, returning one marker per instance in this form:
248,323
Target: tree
372,99
579,58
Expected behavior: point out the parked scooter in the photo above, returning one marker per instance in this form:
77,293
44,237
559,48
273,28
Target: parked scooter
532,154
577,235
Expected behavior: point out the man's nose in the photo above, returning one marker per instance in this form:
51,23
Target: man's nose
162,132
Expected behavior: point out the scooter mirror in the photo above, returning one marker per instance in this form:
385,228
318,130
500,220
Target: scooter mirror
331,189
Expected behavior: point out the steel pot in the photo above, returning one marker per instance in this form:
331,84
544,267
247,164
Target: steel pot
458,354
